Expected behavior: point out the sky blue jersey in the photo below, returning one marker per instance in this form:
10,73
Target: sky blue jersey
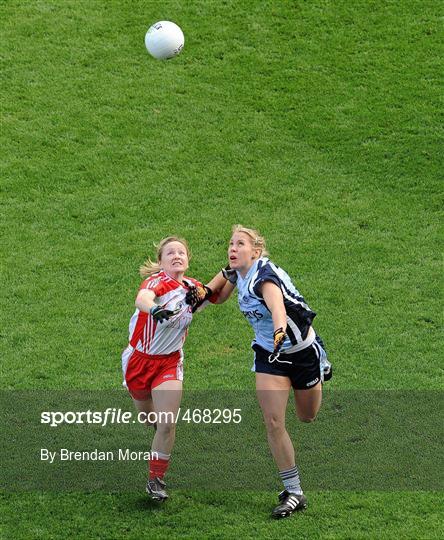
252,305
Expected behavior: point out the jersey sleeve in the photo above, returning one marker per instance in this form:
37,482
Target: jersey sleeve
155,284
266,273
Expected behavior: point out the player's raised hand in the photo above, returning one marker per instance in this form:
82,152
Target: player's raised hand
195,296
161,314
229,274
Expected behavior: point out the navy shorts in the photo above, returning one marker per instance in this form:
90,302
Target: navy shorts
304,368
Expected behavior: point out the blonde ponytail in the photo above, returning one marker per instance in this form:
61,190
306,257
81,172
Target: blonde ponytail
149,268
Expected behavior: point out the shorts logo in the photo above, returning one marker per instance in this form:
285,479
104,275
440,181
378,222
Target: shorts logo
314,381
168,376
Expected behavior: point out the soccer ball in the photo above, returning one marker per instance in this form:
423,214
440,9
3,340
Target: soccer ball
164,40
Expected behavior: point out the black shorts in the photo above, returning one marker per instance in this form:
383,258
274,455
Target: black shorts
303,368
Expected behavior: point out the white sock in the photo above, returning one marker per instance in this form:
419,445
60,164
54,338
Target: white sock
291,481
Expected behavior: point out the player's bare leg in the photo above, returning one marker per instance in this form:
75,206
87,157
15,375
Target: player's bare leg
166,402
272,393
146,406
308,402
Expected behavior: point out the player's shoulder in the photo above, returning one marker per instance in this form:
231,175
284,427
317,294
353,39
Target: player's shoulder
266,270
160,283
266,267
154,279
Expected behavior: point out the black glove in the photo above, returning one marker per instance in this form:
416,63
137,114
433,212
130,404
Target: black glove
196,296
161,314
229,274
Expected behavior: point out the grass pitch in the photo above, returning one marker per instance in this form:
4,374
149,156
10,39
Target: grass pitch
320,123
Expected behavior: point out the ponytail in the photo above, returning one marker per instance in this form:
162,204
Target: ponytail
149,268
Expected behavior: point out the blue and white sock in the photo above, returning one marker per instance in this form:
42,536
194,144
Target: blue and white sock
291,481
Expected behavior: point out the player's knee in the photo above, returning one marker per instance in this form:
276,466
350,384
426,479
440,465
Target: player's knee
306,418
166,429
274,424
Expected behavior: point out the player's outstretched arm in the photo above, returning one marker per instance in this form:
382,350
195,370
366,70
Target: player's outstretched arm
219,289
272,295
222,287
274,300
145,302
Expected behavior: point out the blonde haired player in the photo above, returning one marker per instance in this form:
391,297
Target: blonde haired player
288,354
152,363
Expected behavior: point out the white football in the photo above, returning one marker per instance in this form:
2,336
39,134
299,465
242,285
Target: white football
164,39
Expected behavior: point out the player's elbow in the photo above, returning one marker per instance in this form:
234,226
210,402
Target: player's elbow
140,305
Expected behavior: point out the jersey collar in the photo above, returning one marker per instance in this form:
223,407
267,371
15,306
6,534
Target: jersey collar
253,269
174,279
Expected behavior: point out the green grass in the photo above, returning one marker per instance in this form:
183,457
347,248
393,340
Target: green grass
320,123
218,515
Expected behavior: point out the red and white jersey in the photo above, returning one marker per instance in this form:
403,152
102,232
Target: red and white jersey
151,337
